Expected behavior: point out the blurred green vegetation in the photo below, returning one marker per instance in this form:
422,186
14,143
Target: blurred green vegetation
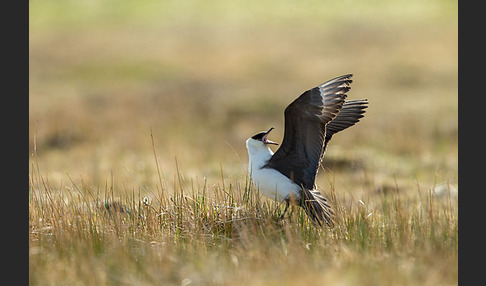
200,77
203,76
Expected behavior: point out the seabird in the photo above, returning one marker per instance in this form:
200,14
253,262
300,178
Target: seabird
310,121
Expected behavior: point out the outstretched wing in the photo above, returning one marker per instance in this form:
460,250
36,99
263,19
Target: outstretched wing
349,115
305,129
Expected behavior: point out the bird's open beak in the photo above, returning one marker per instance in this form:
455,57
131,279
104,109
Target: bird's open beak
265,138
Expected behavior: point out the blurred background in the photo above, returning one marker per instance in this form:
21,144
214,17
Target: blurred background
200,77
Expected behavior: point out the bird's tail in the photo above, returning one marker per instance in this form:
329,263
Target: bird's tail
317,208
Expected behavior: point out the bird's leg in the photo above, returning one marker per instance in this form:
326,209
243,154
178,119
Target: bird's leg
292,201
285,210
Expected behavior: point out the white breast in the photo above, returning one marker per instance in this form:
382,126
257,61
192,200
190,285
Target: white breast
269,182
272,184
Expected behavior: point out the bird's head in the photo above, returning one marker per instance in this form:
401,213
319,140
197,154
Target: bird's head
260,140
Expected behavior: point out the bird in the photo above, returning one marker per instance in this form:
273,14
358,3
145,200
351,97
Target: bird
311,120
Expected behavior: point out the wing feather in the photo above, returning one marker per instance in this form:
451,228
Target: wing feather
305,130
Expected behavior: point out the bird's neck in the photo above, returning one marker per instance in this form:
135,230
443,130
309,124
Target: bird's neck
258,157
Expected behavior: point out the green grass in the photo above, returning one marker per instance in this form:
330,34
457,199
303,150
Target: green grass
155,99
227,234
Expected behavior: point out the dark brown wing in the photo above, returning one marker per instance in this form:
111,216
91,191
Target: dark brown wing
349,115
305,125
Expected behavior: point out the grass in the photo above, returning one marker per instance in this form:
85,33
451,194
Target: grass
228,235
138,114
